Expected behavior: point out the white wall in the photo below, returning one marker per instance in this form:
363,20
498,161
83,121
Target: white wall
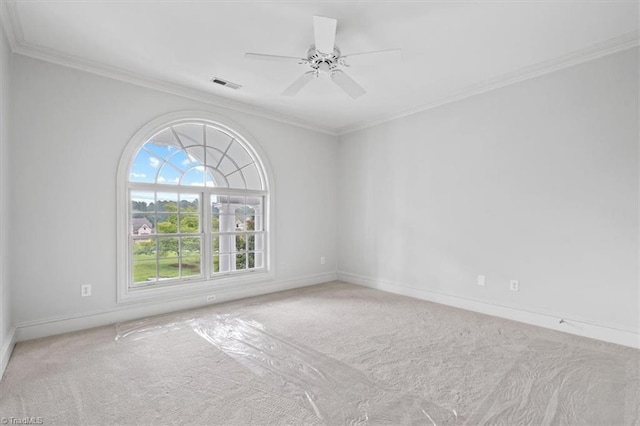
69,131
5,306
537,181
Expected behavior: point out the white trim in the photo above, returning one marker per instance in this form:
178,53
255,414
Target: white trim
608,47
10,20
64,324
11,24
13,27
7,349
570,325
199,286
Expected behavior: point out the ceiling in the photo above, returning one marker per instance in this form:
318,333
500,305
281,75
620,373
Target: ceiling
449,49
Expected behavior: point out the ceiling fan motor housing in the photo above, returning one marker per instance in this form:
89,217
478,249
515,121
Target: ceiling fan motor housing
325,62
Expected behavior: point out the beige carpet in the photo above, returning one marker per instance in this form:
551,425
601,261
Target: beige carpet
329,354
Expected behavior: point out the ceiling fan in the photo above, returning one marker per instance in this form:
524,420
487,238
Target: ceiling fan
324,57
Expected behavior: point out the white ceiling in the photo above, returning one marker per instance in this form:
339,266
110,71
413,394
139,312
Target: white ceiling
450,49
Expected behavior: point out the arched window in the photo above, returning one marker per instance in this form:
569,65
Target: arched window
197,196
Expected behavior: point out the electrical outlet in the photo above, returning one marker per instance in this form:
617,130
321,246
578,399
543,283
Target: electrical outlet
481,280
514,285
85,290
322,260
211,298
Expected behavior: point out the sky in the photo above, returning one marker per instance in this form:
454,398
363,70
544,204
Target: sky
169,164
178,156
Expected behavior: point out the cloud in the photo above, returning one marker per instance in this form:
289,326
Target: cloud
190,159
164,180
154,162
138,175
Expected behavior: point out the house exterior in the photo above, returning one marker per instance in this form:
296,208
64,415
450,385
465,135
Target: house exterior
141,226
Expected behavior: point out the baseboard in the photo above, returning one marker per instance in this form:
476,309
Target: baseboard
7,349
569,325
52,326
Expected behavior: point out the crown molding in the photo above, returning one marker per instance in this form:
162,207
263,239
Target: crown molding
93,67
609,47
11,22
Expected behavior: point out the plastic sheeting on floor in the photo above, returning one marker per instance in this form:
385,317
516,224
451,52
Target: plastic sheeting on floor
337,393
557,384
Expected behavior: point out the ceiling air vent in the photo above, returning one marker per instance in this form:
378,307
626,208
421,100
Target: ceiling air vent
225,83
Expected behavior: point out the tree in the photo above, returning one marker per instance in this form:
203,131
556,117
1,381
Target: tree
189,224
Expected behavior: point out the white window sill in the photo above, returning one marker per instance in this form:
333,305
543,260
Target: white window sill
192,287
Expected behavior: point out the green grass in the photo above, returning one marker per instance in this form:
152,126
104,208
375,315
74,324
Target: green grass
144,267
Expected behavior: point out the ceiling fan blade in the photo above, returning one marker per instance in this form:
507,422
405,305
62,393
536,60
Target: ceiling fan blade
347,84
387,55
324,31
273,57
302,81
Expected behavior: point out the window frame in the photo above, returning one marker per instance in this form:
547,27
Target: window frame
127,291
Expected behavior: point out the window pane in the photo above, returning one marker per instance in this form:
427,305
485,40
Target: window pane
252,177
215,222
189,203
144,271
226,243
193,177
254,210
259,242
259,262
216,179
190,134
218,139
168,262
142,213
195,156
251,260
213,157
216,263
190,256
167,247
167,213
240,222
239,155
227,167
227,223
141,169
180,160
144,249
169,175
215,244
163,143
250,223
236,180
224,262
241,261
241,243
189,223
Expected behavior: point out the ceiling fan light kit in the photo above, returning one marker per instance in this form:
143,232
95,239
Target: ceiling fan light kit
323,57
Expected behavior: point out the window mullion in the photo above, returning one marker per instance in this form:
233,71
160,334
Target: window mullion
207,255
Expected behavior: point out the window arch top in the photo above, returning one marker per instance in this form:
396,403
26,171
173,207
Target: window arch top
197,154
